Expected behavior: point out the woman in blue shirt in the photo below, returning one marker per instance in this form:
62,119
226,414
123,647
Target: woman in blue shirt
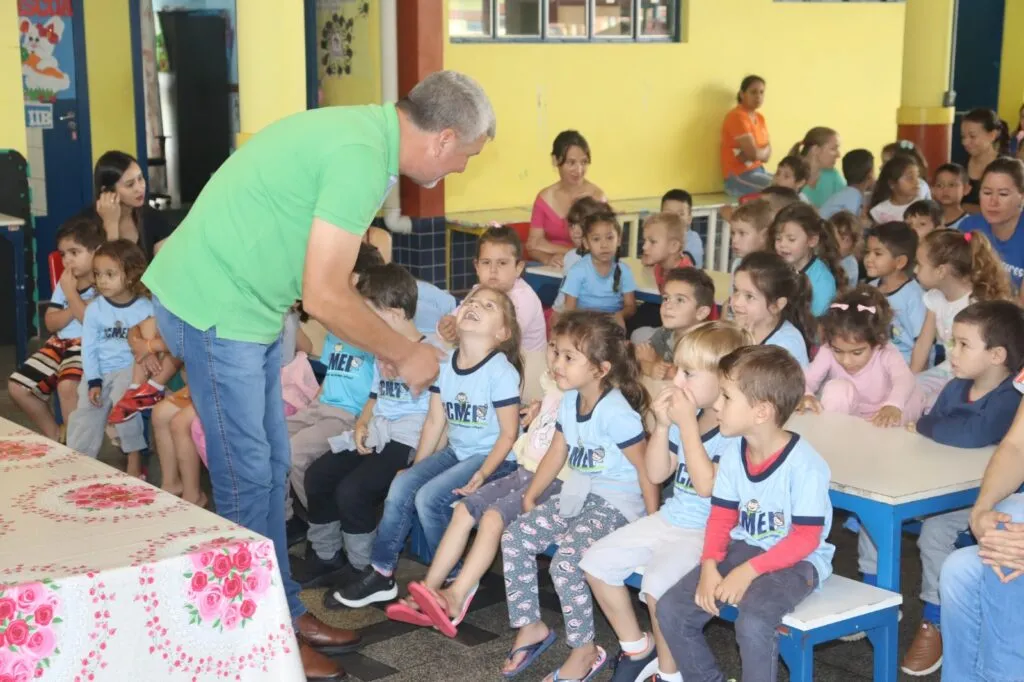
1002,214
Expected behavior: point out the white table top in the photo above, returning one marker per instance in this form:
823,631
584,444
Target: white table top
10,221
644,277
893,466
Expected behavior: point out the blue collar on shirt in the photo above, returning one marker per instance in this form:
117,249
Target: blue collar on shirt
793,440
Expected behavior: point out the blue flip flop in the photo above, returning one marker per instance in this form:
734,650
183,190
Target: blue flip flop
533,652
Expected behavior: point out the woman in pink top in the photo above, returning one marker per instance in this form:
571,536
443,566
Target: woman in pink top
857,369
549,232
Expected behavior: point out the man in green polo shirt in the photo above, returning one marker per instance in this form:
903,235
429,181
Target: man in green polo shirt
282,220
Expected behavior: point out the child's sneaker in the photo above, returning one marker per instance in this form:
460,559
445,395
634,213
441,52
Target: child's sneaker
369,588
135,400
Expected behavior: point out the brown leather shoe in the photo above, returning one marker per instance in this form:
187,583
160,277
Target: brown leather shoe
319,667
325,638
925,653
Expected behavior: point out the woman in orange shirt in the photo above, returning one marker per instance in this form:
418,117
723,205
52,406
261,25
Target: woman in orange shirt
745,142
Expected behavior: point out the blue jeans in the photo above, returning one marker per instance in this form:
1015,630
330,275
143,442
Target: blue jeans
972,595
424,490
750,181
236,390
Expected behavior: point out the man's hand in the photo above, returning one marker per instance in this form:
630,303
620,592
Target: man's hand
420,367
446,328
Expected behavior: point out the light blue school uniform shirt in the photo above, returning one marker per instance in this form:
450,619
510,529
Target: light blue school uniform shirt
105,328
471,397
793,490
685,508
787,336
396,403
596,441
594,292
847,199
829,183
695,247
349,375
852,269
432,303
823,285
73,329
908,313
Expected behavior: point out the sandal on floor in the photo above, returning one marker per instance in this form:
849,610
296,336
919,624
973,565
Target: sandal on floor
404,613
435,608
602,658
532,651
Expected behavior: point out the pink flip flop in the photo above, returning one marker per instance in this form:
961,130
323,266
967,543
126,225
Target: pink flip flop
431,606
403,613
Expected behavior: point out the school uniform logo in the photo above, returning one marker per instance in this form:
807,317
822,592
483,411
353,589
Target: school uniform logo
393,390
340,361
586,460
463,413
683,482
118,331
759,523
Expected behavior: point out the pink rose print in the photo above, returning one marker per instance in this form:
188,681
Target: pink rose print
248,608
17,632
257,582
8,607
199,582
42,643
19,451
232,617
242,559
211,602
22,670
221,565
264,550
27,615
201,560
44,614
29,595
232,587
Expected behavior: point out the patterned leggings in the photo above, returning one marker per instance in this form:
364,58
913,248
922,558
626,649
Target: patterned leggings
528,536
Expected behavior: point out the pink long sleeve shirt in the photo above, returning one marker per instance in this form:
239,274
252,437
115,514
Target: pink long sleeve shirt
885,380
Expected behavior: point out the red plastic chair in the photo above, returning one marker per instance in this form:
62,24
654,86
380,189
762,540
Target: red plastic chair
56,269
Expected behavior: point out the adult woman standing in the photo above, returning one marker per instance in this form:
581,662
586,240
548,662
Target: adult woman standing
121,206
549,236
984,137
1002,213
745,143
820,147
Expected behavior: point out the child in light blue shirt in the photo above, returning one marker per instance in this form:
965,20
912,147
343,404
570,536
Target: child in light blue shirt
890,251
599,281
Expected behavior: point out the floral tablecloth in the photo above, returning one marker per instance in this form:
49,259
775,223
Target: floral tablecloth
104,577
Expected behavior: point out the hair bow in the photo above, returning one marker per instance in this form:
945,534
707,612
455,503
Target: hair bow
860,308
967,237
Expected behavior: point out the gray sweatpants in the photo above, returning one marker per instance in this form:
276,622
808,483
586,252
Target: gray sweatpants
88,423
938,535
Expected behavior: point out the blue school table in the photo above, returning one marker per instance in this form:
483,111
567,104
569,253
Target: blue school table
890,476
11,229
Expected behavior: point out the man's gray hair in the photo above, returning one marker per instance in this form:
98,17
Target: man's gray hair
449,99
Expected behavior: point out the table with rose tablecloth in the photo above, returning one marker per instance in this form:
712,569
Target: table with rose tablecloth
104,577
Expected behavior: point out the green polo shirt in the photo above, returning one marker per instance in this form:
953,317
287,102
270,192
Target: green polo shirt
236,261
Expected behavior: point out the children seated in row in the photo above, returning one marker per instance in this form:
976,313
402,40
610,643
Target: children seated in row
600,433
771,301
664,236
808,244
57,366
748,229
859,171
107,359
889,253
685,445
765,546
792,172
924,216
955,269
687,300
599,281
895,190
847,229
857,369
974,410
680,202
345,486
476,396
951,185
499,265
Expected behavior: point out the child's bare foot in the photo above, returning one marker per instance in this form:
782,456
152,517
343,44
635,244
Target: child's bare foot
451,601
528,635
199,500
176,489
578,665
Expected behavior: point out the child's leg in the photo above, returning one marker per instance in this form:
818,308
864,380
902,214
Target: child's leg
67,391
131,434
937,542
867,557
35,407
310,443
69,376
86,425
453,544
768,599
839,395
31,385
163,413
187,457
322,478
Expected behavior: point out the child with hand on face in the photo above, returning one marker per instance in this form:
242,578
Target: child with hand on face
499,264
857,370
889,260
687,299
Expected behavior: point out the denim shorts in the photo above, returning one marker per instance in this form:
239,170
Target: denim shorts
505,496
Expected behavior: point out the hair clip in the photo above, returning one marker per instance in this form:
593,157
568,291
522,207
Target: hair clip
906,144
967,237
840,306
860,308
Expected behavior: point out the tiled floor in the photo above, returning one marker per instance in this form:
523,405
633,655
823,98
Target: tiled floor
402,653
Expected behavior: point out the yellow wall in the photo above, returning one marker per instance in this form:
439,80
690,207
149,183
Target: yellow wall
271,63
1011,68
12,111
652,113
108,48
363,85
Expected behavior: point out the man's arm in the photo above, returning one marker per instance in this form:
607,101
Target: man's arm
1005,471
328,296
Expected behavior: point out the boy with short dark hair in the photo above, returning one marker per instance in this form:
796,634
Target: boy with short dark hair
889,253
793,172
778,198
975,409
859,171
770,515
58,364
687,300
951,185
680,202
924,216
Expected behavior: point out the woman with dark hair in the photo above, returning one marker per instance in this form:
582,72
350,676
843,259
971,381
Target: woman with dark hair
121,206
745,143
549,236
1002,214
984,137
